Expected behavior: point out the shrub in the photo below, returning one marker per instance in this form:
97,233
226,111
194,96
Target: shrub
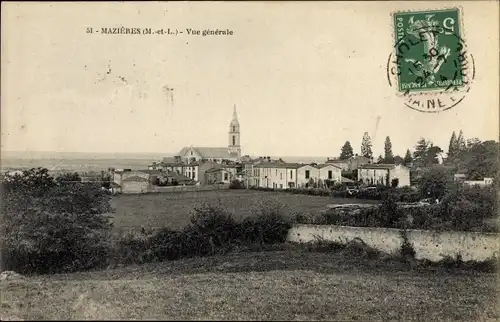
407,250
51,226
269,225
211,228
132,248
236,184
36,241
167,244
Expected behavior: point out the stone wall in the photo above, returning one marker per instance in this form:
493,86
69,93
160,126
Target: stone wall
189,188
429,245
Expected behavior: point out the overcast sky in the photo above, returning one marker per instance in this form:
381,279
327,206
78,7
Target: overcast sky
305,77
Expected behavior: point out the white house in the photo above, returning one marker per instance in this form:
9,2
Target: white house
480,183
274,175
281,175
384,174
307,175
330,172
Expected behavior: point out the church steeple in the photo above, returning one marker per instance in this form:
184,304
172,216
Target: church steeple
234,134
235,116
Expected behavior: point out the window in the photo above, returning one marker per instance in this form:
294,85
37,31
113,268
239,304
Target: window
307,174
226,177
193,175
281,186
234,128
234,140
330,174
276,171
191,152
291,174
281,175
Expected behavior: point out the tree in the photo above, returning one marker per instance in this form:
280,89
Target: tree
481,160
434,181
408,159
432,155
366,146
53,225
69,177
380,159
346,151
453,146
388,155
426,153
421,151
461,146
398,160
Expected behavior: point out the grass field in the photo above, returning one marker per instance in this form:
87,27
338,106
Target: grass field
173,209
284,284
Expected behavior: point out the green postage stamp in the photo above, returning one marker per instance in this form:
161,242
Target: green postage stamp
429,56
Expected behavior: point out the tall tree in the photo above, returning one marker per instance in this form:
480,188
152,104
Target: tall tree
408,159
346,151
461,146
432,155
388,155
366,146
481,160
380,159
421,151
453,147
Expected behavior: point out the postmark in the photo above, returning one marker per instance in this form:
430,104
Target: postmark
430,67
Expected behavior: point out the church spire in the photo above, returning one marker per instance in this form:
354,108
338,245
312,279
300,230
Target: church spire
235,116
234,134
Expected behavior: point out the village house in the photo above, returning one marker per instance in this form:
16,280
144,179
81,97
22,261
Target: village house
276,175
351,164
281,175
342,164
219,175
481,183
330,172
383,174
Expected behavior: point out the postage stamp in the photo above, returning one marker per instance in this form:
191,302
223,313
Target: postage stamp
430,59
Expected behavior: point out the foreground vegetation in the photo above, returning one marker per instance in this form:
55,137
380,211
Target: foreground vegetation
273,285
54,225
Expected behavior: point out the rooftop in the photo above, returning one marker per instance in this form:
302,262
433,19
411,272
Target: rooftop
210,152
280,165
377,166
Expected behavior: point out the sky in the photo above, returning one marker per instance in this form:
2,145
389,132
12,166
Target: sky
305,77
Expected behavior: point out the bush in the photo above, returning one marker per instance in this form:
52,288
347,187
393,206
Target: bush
132,248
37,241
53,226
236,184
268,225
212,228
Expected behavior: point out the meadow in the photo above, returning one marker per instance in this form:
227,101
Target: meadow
272,285
173,209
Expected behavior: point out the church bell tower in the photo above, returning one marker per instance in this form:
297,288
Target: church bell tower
234,135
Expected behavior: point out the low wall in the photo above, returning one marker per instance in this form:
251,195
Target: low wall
188,188
430,245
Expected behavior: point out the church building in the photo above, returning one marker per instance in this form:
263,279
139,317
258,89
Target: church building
232,152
